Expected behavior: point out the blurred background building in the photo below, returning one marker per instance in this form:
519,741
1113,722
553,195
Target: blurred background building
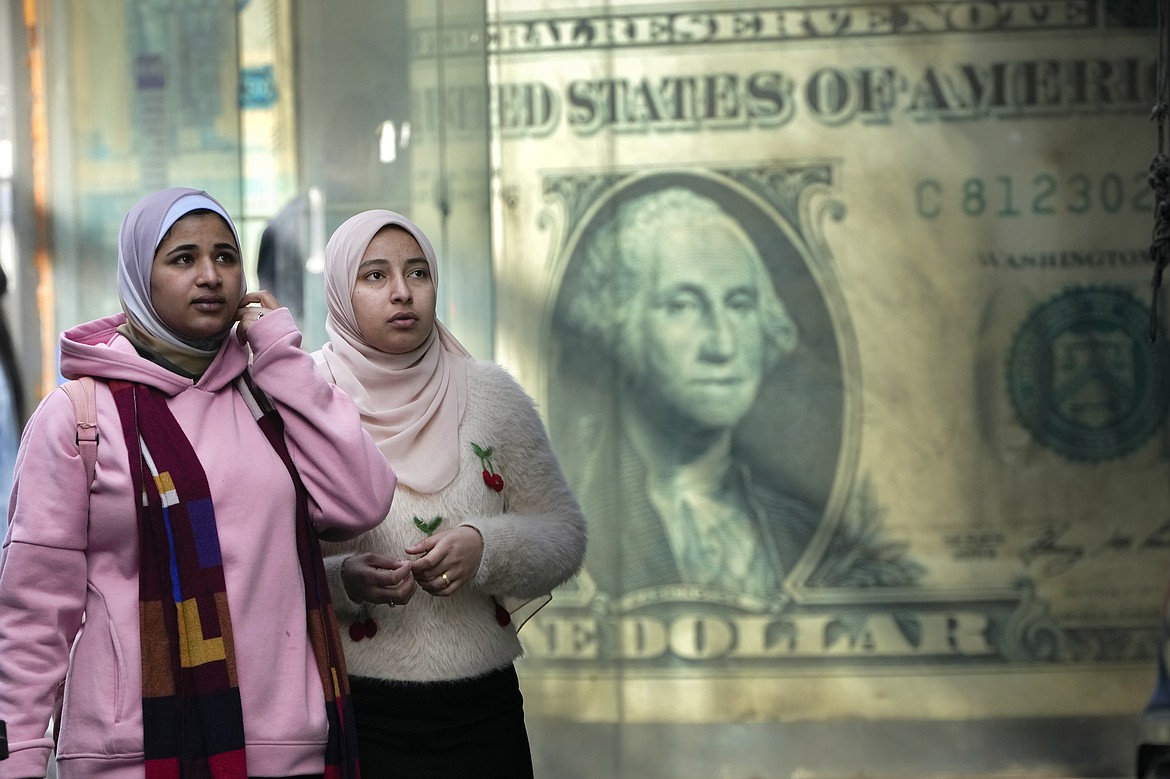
964,435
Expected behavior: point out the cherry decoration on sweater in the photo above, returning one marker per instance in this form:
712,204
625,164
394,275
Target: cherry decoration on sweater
502,616
363,628
492,479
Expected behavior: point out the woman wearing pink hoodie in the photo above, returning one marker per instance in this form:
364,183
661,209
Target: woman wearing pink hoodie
180,596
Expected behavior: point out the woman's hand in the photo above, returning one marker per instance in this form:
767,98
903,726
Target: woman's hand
373,578
449,559
252,307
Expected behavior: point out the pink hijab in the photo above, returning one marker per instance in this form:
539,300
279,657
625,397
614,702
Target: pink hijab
411,404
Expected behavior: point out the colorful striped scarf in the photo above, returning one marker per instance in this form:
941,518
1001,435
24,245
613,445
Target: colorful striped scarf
191,712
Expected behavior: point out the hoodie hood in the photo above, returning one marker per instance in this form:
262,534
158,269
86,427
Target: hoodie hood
97,349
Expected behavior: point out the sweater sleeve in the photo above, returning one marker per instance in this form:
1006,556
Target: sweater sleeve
345,608
42,581
350,483
538,543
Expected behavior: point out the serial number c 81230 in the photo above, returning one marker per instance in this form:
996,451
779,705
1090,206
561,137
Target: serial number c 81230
1043,194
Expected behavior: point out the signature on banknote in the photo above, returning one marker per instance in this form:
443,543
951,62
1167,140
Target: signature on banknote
1056,557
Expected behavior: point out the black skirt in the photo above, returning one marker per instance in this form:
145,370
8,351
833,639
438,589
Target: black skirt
427,730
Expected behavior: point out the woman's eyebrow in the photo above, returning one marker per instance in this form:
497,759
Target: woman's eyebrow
183,247
382,262
375,261
190,247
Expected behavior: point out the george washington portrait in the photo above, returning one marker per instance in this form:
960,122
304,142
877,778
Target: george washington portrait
698,407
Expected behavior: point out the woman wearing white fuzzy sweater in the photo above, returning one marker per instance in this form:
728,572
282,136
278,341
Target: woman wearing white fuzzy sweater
482,519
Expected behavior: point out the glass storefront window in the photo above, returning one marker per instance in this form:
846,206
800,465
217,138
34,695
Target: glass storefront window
295,115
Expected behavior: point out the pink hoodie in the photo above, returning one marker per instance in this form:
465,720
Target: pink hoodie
69,571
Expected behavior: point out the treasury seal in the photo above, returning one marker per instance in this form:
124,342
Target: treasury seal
1084,379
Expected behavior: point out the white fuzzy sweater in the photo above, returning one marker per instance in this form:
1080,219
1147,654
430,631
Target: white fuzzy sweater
533,533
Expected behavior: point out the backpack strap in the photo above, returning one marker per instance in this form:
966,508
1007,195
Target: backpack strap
81,393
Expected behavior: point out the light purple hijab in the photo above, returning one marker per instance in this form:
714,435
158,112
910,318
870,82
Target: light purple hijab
411,404
141,232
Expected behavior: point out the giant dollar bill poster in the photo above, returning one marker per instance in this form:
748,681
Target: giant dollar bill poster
839,316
